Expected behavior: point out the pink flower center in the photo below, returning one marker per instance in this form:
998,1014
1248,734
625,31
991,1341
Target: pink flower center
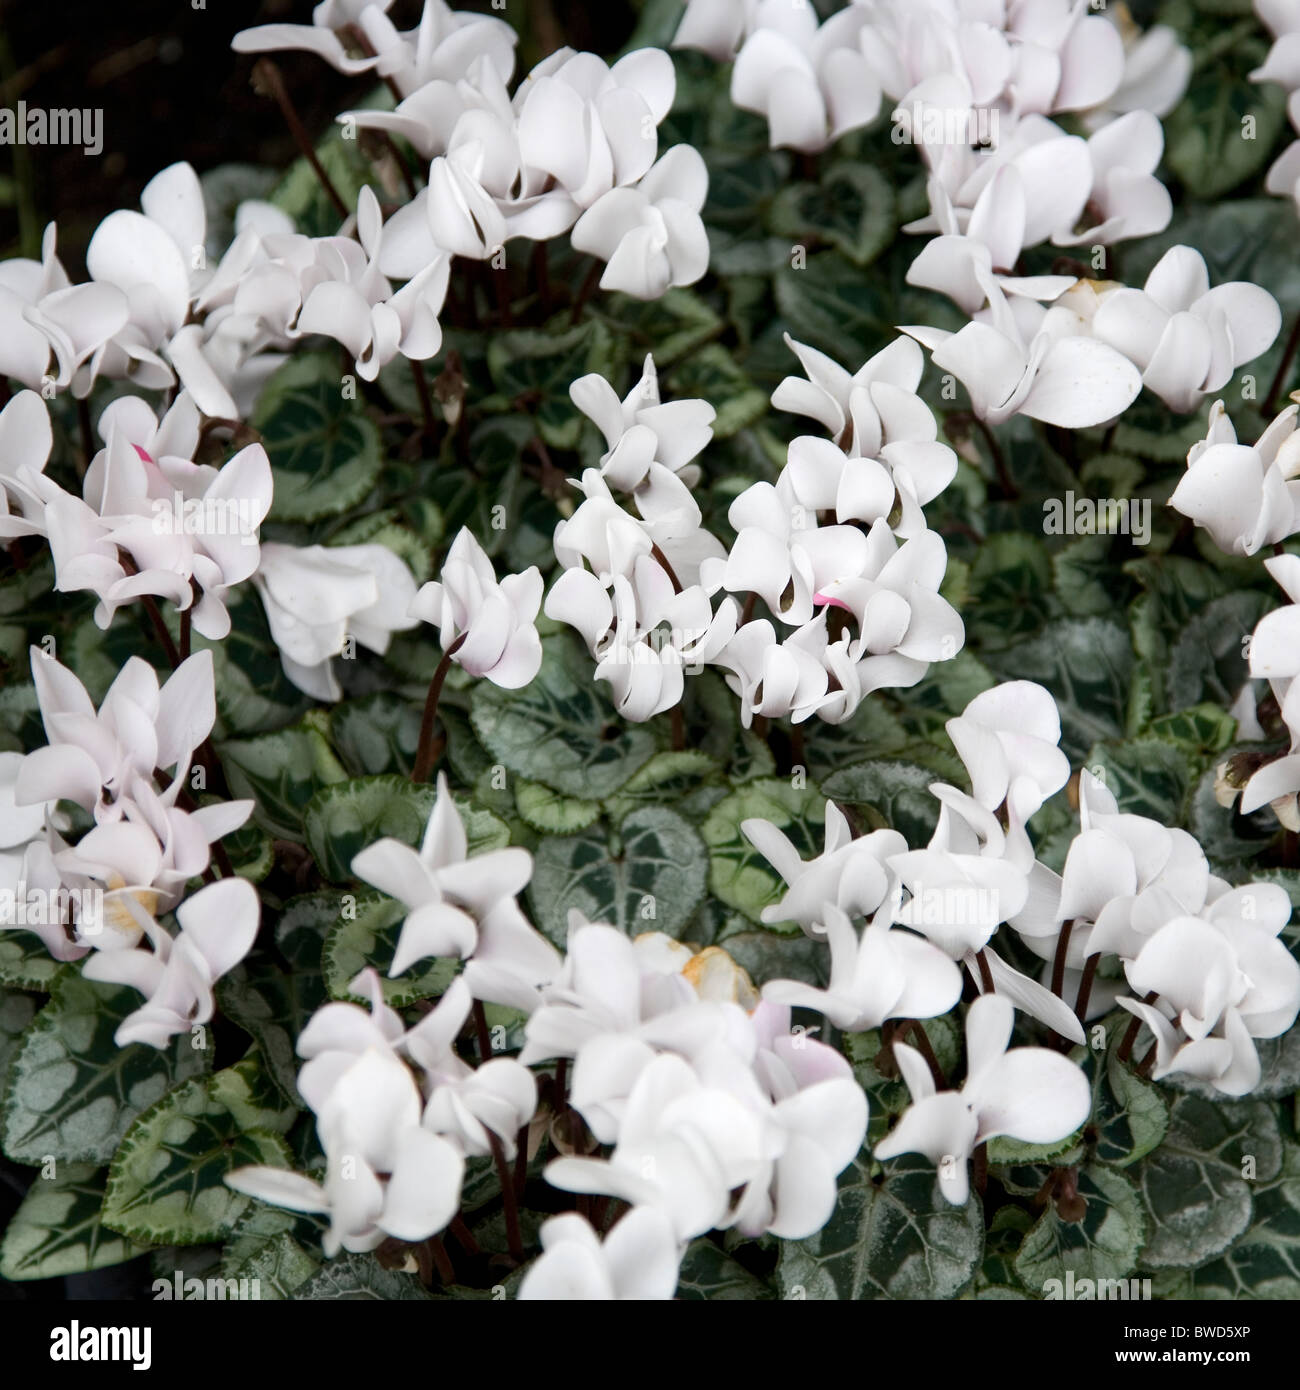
831,602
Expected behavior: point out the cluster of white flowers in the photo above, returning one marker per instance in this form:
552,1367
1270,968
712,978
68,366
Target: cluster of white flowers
703,1104
837,549
1282,19
126,766
706,1109
397,1114
976,83
1024,58
150,521
699,1088
1205,954
1247,498
574,149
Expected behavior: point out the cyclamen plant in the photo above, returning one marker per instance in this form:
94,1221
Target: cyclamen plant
548,745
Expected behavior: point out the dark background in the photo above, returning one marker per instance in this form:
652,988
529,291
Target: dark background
171,88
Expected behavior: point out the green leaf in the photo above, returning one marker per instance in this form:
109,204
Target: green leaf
356,1278
852,207
1130,1115
833,305
167,1180
551,813
16,1014
344,818
1265,1260
668,327
690,781
872,732
281,772
649,878
1004,1150
376,734
1086,575
300,194
708,1272
273,1005
891,1236
893,794
304,924
325,453
251,851
1205,135
72,1091
539,364
1279,1061
1195,1195
712,374
279,1249
1011,583
56,1231
738,874
1202,729
277,1269
1146,776
1208,660
739,184
1150,430
24,961
561,730
369,938
1104,1245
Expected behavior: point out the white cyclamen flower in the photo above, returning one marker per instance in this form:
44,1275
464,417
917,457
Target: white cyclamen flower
460,906
810,82
1058,376
218,926
1244,495
1222,980
886,973
1186,338
651,234
94,755
25,443
638,1260
385,1175
1027,1093
641,429
849,875
683,1147
317,596
488,628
